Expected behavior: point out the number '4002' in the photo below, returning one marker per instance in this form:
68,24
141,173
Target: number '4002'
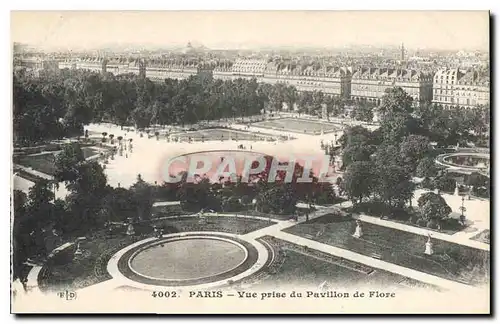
166,294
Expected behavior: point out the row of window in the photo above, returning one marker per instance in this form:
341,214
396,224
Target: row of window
452,100
462,94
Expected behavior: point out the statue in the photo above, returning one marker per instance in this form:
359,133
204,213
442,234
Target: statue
456,190
79,251
358,233
429,246
130,228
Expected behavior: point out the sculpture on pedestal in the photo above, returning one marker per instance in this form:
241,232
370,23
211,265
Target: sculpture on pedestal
130,228
79,251
358,233
429,246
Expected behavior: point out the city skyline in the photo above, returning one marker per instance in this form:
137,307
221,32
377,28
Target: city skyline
446,30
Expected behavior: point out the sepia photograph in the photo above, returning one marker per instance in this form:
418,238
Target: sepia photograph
250,162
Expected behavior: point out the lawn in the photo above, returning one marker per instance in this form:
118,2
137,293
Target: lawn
89,151
227,224
62,272
195,266
217,134
307,267
44,162
40,162
252,212
484,237
450,261
302,126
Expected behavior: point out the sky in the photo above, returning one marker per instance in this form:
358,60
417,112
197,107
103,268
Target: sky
446,30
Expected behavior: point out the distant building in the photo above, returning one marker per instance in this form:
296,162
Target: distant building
334,81
93,64
118,66
159,70
224,71
455,87
33,65
115,66
369,84
248,69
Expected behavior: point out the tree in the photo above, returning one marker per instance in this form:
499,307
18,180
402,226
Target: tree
395,101
364,112
356,145
278,198
355,135
396,120
120,205
393,185
428,184
142,194
414,148
358,180
433,207
445,182
67,162
388,155
356,153
87,193
426,168
476,179
20,235
195,196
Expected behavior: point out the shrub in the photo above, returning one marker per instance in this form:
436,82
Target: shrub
427,184
232,205
432,224
421,222
245,200
446,183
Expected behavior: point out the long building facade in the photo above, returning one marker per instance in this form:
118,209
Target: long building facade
455,87
334,81
448,87
369,84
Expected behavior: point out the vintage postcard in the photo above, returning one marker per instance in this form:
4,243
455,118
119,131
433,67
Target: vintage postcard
251,162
